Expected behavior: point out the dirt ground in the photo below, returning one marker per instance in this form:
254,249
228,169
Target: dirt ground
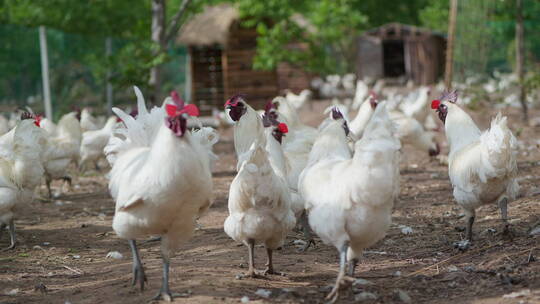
63,243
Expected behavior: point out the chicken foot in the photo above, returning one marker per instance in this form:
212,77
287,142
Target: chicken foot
251,256
465,244
138,270
334,294
164,293
503,205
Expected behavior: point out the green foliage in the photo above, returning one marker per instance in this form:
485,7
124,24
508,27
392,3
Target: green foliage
435,15
317,35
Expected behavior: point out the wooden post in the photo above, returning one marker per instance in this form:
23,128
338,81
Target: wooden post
520,58
45,72
109,87
450,44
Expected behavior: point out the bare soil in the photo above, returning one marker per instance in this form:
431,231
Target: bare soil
63,243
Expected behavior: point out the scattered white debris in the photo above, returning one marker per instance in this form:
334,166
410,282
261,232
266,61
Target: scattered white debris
403,296
12,292
363,296
452,268
102,216
406,229
244,299
46,243
36,247
361,282
397,273
299,242
535,231
376,252
115,255
59,203
263,293
76,257
517,294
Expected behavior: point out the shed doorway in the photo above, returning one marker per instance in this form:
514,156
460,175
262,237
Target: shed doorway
393,58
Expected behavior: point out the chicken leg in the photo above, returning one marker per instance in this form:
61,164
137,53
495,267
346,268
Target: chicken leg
138,270
13,239
251,256
48,184
334,294
306,230
352,267
465,244
165,292
503,205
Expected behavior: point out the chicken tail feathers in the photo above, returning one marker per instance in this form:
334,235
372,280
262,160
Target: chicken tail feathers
498,149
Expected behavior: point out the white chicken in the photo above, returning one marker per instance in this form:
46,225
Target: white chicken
298,101
419,109
362,91
160,180
411,132
49,126
259,198
21,169
360,121
93,143
62,150
88,122
349,198
292,159
299,133
4,125
481,165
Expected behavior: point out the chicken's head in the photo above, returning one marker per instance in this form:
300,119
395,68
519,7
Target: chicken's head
270,116
336,115
279,131
236,106
440,106
176,115
28,115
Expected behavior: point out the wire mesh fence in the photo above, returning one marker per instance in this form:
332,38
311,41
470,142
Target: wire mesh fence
74,62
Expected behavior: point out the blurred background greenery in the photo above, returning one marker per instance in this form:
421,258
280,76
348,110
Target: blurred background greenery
77,30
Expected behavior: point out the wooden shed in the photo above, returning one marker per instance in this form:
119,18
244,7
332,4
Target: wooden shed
221,57
397,50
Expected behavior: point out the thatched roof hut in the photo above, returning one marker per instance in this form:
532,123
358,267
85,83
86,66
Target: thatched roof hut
221,55
398,50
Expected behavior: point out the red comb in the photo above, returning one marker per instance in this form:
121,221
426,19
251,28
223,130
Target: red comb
435,104
282,127
37,120
173,110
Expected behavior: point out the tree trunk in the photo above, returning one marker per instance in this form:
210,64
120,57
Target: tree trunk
450,44
158,37
520,58
109,87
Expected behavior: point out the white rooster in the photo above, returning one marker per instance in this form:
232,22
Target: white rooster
360,121
481,165
160,180
88,122
259,198
62,149
298,101
93,143
21,168
349,198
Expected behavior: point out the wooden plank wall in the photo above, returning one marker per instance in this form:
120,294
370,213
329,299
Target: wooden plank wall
207,78
240,78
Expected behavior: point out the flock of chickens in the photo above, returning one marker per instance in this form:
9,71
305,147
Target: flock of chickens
339,180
